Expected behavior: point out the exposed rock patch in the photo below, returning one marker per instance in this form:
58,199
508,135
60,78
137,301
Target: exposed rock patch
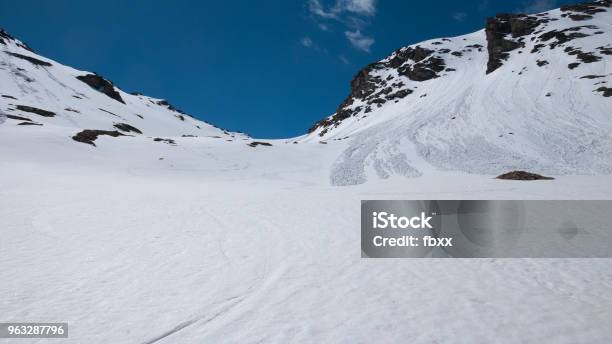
607,91
101,85
37,111
501,33
169,106
415,54
89,135
108,112
127,128
18,118
564,35
30,59
424,70
522,175
258,143
588,8
168,141
5,36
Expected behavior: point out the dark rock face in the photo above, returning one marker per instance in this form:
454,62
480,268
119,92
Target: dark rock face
168,141
522,175
89,136
541,63
30,59
562,36
170,107
415,63
399,94
257,143
588,8
498,31
9,97
607,91
18,118
586,57
5,36
37,111
102,85
363,85
605,50
573,65
29,123
423,70
415,54
127,128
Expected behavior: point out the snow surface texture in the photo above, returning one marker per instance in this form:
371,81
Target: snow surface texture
548,118
205,239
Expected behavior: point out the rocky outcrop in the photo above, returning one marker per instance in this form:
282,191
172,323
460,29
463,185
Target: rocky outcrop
37,111
101,85
5,37
502,32
416,63
563,36
170,107
167,141
606,91
363,85
522,175
18,118
30,59
586,10
127,128
415,54
423,70
89,136
258,143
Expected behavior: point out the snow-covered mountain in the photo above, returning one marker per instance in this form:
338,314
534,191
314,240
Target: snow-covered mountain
526,92
36,91
135,223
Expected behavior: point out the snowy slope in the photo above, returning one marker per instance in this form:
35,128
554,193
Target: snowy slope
528,92
215,239
28,79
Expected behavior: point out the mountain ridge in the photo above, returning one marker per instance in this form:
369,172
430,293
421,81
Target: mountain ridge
527,92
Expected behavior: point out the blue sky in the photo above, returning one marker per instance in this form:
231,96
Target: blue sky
268,68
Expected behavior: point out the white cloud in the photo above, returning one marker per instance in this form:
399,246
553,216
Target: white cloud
354,15
459,16
363,7
344,60
317,9
359,41
536,6
360,7
307,42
